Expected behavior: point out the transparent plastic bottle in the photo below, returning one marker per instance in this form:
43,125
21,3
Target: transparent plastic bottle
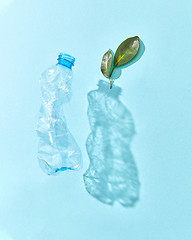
57,150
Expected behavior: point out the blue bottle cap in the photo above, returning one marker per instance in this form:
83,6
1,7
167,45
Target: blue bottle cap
66,60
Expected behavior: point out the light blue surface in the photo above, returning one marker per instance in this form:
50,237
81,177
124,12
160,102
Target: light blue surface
157,90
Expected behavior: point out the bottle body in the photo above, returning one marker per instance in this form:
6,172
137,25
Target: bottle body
57,150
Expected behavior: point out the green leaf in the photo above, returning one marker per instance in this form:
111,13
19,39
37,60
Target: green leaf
107,63
126,51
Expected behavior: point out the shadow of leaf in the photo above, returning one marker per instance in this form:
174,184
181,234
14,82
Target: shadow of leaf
112,175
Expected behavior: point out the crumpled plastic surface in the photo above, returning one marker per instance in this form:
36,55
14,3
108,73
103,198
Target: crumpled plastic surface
112,175
57,150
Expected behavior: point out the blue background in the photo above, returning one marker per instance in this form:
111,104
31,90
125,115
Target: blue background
157,90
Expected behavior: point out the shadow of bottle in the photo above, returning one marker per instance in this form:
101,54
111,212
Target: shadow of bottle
112,175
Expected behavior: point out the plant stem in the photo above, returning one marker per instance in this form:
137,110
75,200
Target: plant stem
111,82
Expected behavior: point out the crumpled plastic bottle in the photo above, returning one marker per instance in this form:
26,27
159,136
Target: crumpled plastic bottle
112,174
57,150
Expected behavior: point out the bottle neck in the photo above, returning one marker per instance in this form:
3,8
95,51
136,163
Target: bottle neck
66,60
65,63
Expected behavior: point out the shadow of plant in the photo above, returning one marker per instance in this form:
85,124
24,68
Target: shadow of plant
112,175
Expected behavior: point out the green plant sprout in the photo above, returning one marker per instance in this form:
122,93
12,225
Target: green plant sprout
126,51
